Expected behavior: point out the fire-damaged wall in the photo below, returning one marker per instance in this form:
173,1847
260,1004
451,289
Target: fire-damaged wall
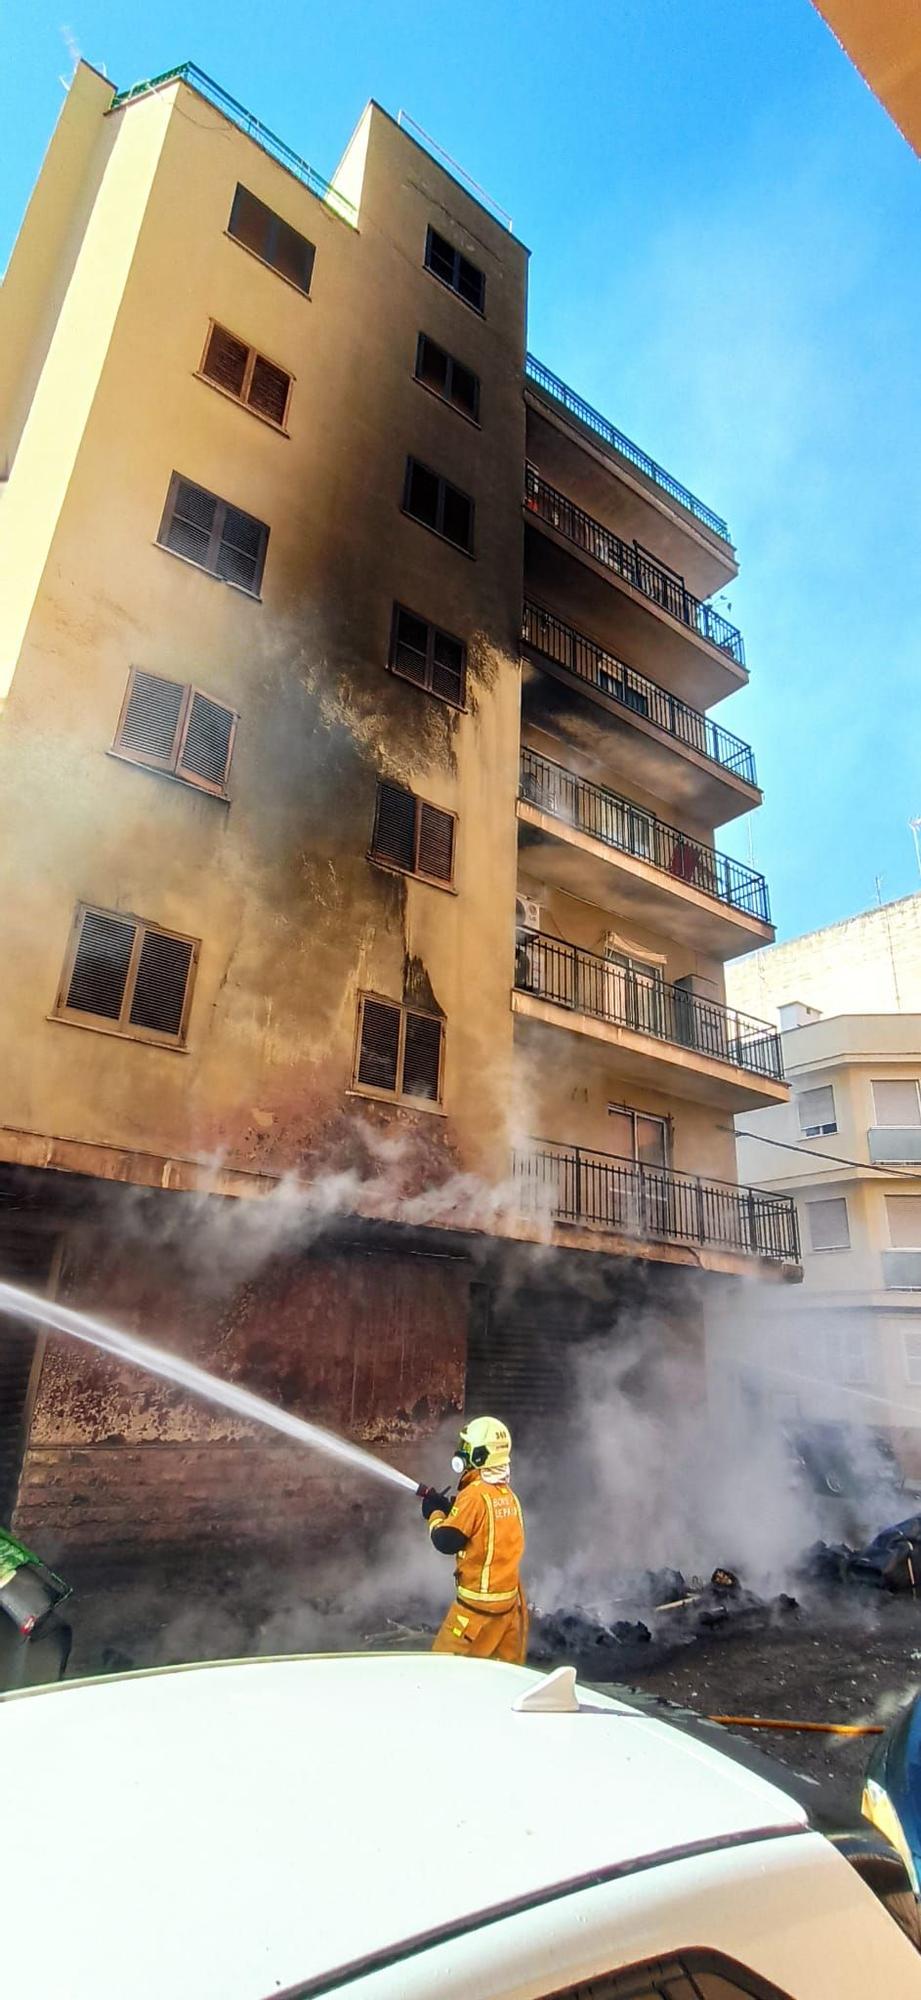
372,1342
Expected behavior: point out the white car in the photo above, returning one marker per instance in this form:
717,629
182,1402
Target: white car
399,1827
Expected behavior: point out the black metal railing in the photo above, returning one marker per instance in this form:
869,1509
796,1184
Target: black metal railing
559,391
600,1191
621,824
589,663
613,989
661,586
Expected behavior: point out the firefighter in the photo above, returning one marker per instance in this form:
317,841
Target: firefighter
483,1529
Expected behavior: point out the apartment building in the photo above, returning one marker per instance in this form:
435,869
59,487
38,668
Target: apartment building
884,44
366,1023
847,1148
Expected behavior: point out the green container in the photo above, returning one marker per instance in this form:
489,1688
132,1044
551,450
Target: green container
29,1590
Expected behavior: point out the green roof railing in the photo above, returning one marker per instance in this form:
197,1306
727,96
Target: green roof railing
245,121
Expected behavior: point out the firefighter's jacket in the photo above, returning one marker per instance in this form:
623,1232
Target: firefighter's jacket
485,1531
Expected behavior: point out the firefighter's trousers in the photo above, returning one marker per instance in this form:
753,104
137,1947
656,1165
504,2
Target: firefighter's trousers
485,1635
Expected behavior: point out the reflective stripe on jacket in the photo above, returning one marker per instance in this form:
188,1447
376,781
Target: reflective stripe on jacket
489,1517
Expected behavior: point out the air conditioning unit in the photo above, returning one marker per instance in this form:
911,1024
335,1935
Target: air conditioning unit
527,913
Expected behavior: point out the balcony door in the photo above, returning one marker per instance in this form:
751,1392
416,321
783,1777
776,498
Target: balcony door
634,992
643,1140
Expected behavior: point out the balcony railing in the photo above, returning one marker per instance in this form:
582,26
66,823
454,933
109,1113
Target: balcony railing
589,663
600,1191
628,998
894,1145
660,586
558,391
620,824
245,121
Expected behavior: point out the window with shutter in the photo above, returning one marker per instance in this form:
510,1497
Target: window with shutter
263,232
449,378
169,726
250,378
411,835
816,1110
128,974
433,659
432,500
399,1051
897,1101
379,1051
903,1212
214,535
455,270
828,1224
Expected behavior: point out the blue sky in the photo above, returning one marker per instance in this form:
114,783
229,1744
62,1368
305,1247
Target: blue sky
724,228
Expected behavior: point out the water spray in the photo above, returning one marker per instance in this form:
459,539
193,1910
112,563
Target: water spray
174,1368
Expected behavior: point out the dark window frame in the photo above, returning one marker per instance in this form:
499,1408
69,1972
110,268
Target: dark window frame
278,221
432,634
672,1973
254,355
397,1096
215,542
122,1026
458,260
421,806
445,487
446,394
172,766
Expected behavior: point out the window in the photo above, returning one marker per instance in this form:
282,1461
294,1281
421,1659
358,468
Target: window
410,834
446,263
399,1051
131,974
695,1975
438,505
213,534
259,229
449,378
828,1225
913,1357
903,1213
433,659
636,1136
242,373
816,1112
897,1101
848,1355
168,726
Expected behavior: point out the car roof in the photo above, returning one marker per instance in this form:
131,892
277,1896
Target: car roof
240,1828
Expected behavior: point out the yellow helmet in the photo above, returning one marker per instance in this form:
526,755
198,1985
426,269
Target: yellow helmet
484,1444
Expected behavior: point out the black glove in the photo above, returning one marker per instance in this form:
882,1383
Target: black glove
435,1503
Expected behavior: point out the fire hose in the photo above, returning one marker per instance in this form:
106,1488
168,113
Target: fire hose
819,1728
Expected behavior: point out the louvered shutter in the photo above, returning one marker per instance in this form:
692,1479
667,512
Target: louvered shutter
395,825
241,551
410,653
380,1045
436,843
205,752
448,668
100,968
189,521
268,390
421,1056
225,360
160,987
151,719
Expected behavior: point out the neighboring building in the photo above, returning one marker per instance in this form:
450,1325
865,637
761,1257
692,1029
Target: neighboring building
869,964
358,802
883,40
847,1147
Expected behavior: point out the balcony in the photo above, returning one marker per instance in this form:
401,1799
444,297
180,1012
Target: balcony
717,776
666,1034
663,587
591,840
598,1191
895,1145
588,457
